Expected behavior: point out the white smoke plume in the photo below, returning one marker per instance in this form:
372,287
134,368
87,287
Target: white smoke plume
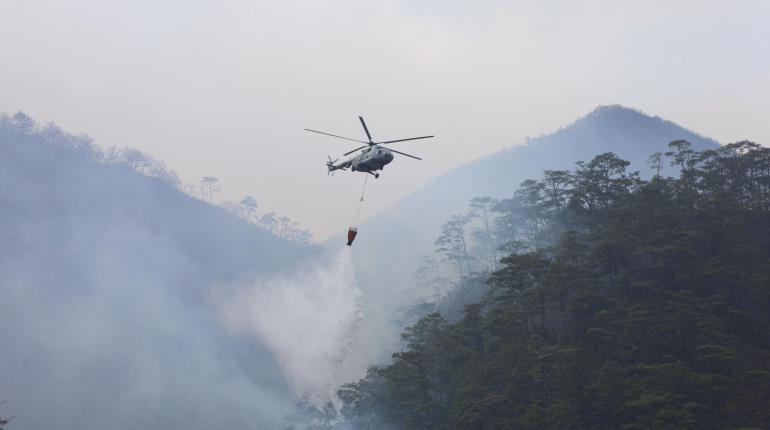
309,319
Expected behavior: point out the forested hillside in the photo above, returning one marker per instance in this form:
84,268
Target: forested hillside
107,272
619,303
393,244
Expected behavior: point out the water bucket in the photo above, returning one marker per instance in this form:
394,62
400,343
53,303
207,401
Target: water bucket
352,232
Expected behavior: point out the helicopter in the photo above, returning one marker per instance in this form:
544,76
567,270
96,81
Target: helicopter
373,156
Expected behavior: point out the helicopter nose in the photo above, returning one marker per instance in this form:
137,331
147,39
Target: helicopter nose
389,156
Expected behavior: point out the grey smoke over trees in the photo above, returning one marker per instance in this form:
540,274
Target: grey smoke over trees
107,272
651,308
279,225
480,207
109,259
453,244
413,224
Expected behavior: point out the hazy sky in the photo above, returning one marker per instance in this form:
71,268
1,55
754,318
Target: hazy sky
224,88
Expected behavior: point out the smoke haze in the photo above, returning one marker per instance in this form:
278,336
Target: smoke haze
309,319
106,320
224,88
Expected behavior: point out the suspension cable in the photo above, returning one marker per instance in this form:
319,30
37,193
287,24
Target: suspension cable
361,201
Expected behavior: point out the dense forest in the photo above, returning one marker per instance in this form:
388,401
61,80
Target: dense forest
412,225
593,299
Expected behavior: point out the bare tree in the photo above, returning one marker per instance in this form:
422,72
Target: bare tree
190,189
269,222
210,185
141,163
24,123
249,204
453,245
481,207
285,225
136,160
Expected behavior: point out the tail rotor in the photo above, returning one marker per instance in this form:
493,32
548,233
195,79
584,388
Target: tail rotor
330,165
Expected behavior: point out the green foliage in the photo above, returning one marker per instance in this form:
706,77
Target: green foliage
630,305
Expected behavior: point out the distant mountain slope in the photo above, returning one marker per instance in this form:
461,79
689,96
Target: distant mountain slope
389,247
105,313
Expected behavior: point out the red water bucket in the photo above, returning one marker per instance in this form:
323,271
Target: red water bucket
352,232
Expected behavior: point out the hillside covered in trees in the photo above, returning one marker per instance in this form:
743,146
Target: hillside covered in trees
618,303
412,225
107,271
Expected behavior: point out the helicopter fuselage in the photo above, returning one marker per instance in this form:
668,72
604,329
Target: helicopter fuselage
369,160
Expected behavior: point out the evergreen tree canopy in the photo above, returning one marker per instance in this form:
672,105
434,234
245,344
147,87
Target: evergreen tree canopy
626,304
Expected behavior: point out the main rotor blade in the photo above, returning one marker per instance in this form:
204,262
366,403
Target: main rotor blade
366,129
360,147
403,140
403,153
334,135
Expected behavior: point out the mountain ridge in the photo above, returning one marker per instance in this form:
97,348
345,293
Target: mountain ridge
392,243
603,114
109,280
